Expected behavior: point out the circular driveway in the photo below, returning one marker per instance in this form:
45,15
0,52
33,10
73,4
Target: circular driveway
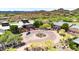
52,35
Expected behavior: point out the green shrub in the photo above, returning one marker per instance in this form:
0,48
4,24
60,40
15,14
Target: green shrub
51,23
37,23
65,26
11,49
47,26
73,45
14,29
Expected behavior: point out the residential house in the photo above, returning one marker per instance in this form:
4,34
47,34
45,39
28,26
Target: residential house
3,27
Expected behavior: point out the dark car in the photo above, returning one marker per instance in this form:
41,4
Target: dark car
28,33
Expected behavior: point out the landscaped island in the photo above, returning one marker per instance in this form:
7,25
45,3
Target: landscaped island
56,30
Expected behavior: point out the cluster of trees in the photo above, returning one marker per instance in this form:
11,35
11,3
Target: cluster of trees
40,24
8,40
11,39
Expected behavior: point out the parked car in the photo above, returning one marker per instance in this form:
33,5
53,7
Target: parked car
27,33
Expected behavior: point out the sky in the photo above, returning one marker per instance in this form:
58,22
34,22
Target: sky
35,5
26,9
31,9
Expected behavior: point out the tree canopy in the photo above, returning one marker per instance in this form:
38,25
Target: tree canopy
65,26
37,23
14,29
9,37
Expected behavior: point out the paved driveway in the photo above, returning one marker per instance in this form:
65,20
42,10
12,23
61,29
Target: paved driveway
32,37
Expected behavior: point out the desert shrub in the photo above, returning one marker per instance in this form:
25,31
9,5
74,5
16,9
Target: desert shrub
41,46
65,26
46,26
37,23
10,40
14,29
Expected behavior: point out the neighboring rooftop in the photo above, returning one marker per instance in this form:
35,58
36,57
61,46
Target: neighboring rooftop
75,26
60,23
76,40
5,24
25,21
